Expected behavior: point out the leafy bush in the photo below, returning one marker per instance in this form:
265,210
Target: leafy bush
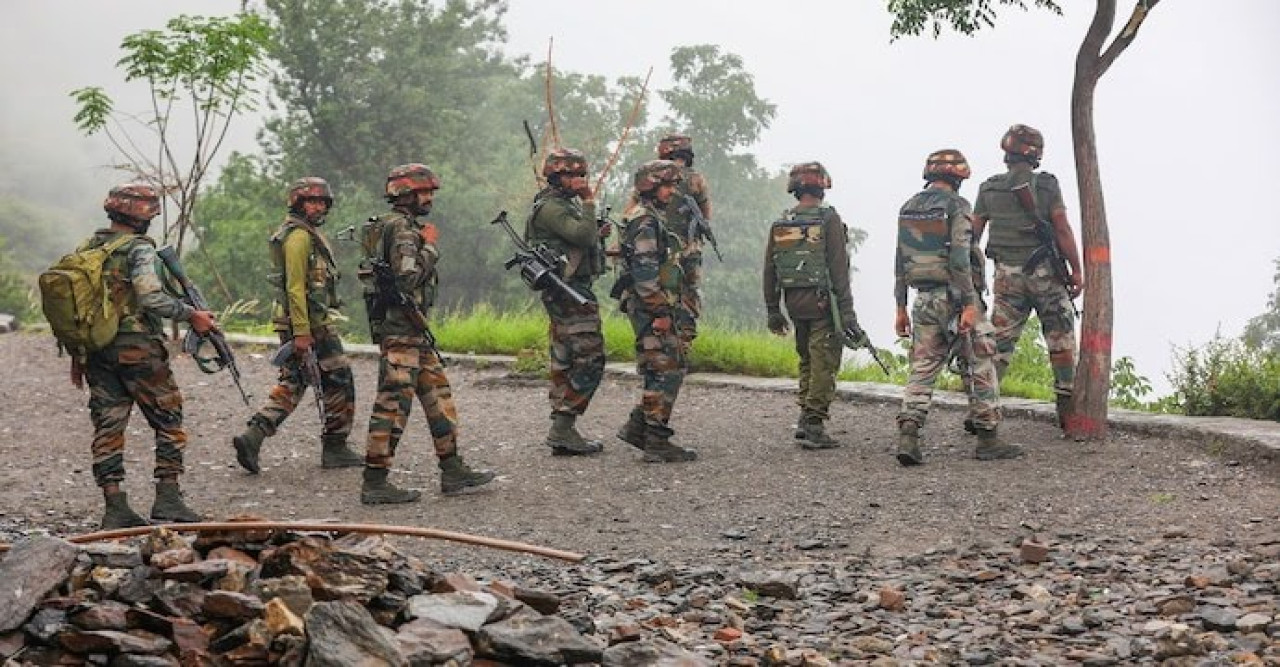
1229,378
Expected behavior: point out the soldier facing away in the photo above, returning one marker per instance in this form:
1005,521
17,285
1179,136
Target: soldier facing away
652,282
935,241
134,367
692,192
1022,282
306,277
406,244
564,219
806,266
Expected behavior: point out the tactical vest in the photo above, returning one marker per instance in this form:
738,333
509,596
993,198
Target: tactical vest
799,253
322,275
582,262
670,246
1011,228
376,238
119,284
679,217
924,239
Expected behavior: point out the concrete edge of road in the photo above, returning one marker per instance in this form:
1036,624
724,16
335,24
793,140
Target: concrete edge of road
1214,433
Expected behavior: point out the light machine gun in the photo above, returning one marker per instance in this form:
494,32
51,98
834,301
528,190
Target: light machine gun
192,342
539,266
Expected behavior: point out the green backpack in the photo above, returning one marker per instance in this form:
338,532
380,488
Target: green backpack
74,297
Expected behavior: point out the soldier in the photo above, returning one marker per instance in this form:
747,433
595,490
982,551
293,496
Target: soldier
134,367
806,265
692,191
564,219
651,287
410,365
935,242
307,279
1021,286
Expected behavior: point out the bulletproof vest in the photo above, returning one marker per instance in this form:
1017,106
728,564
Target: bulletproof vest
376,238
670,273
1010,226
322,270
583,262
799,253
679,217
924,238
115,272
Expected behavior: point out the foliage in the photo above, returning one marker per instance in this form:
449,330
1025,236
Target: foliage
1263,331
912,17
33,236
199,68
1128,388
16,295
1228,378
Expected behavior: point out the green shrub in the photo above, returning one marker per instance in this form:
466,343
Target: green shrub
1228,378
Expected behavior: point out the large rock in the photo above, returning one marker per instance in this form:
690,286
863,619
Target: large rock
8,323
333,574
29,572
463,610
424,642
529,639
344,633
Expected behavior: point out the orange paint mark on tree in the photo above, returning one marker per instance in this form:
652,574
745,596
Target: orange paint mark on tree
1097,255
1094,341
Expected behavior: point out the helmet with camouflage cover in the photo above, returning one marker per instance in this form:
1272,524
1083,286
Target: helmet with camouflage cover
564,161
672,145
808,175
311,187
137,201
946,164
409,178
1022,143
654,173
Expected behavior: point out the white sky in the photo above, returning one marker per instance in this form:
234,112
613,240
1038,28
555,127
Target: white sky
1186,122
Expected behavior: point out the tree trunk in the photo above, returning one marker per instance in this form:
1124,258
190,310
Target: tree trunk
1088,418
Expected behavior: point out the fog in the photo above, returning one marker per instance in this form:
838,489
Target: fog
1186,124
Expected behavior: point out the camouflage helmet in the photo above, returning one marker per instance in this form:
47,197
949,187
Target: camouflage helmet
564,161
674,143
808,174
410,178
138,201
311,187
656,172
946,163
1023,141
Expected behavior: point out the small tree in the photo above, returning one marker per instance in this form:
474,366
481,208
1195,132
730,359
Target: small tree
1093,381
199,68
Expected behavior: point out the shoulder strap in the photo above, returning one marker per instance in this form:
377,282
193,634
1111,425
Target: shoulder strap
121,242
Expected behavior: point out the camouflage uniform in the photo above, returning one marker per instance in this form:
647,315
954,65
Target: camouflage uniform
307,278
134,368
811,236
679,217
568,226
933,256
1018,290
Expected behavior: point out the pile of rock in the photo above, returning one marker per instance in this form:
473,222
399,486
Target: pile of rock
245,598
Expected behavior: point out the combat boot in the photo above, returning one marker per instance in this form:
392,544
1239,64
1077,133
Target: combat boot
658,448
970,427
169,505
376,490
815,435
632,432
909,453
336,453
1063,406
457,477
248,445
565,440
992,448
118,513
799,430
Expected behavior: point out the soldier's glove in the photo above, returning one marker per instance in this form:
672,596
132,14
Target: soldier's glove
778,324
853,336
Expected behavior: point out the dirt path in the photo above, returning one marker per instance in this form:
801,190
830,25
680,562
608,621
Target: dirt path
753,495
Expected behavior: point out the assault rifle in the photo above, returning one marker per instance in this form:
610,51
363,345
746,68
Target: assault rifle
699,228
386,293
309,366
855,338
192,342
539,266
1048,249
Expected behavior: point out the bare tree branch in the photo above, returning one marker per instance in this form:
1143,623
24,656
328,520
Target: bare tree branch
1122,41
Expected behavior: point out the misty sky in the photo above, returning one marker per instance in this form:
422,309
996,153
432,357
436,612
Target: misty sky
1186,122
